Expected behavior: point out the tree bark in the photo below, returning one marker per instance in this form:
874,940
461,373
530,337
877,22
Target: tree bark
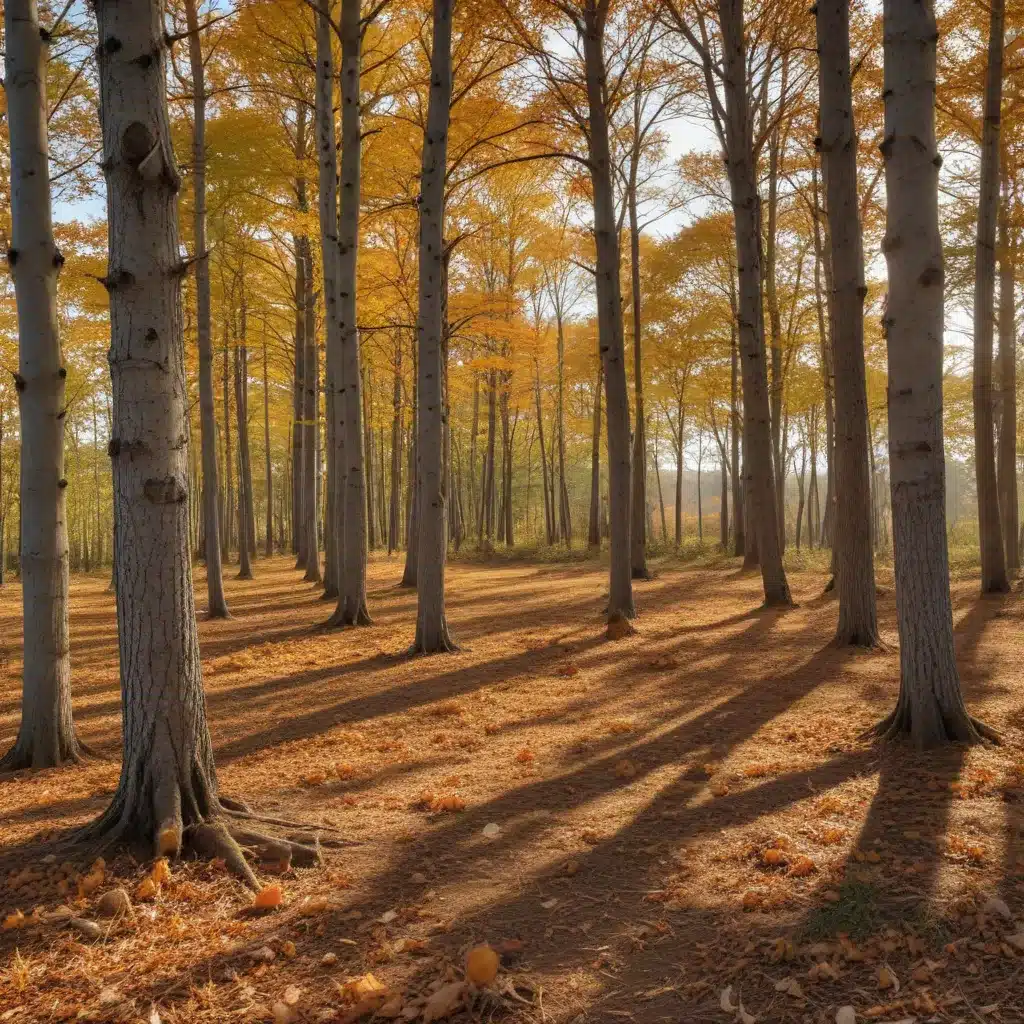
431,622
609,313
854,556
46,736
759,477
168,782
564,516
993,562
594,523
1007,455
310,426
217,607
739,539
394,505
351,610
638,538
930,708
267,466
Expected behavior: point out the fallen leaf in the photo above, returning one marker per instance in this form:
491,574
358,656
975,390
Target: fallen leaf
15,920
388,916
625,769
283,1013
292,994
790,986
444,1002
802,867
114,903
481,965
846,1015
160,871
147,889
526,756
887,979
491,830
269,897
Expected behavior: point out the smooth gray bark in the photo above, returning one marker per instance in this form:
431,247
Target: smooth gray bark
1007,454
46,736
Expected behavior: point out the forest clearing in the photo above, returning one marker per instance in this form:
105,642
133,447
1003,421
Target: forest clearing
677,812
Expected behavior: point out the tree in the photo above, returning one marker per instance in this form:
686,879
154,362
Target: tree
930,707
758,475
855,571
167,795
46,736
431,485
217,606
352,539
993,561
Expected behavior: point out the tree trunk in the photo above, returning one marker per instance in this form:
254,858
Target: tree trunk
168,783
594,524
759,478
775,321
734,419
680,469
298,395
638,538
216,602
229,468
549,526
351,608
564,517
993,561
1008,513
854,556
46,736
431,623
487,487
244,562
394,506
267,470
412,532
609,314
801,477
311,427
930,708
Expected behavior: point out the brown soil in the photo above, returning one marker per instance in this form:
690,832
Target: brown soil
678,811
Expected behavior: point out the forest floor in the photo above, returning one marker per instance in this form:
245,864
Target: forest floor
637,825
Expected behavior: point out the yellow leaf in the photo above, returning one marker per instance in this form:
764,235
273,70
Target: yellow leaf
147,889
887,979
526,756
15,920
444,1002
802,867
481,965
161,871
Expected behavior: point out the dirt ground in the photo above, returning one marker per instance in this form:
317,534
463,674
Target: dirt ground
678,812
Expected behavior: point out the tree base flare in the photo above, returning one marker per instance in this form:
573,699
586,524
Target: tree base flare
28,756
343,617
938,729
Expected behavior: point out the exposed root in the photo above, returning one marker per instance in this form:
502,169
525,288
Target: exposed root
238,809
228,803
957,728
212,840
444,646
23,757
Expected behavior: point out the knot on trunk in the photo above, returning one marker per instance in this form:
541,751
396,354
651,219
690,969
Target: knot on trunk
168,491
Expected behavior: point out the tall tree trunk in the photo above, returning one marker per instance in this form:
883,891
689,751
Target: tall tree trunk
549,528
993,560
1007,456
431,623
609,314
661,496
487,488
723,503
759,478
351,608
168,782
564,516
244,562
594,523
775,320
412,542
394,507
217,606
298,400
46,736
930,707
800,481
229,465
311,426
854,557
638,539
327,176
267,468
826,330
680,472
738,529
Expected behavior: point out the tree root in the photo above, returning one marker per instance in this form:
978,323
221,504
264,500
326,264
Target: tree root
958,728
21,757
